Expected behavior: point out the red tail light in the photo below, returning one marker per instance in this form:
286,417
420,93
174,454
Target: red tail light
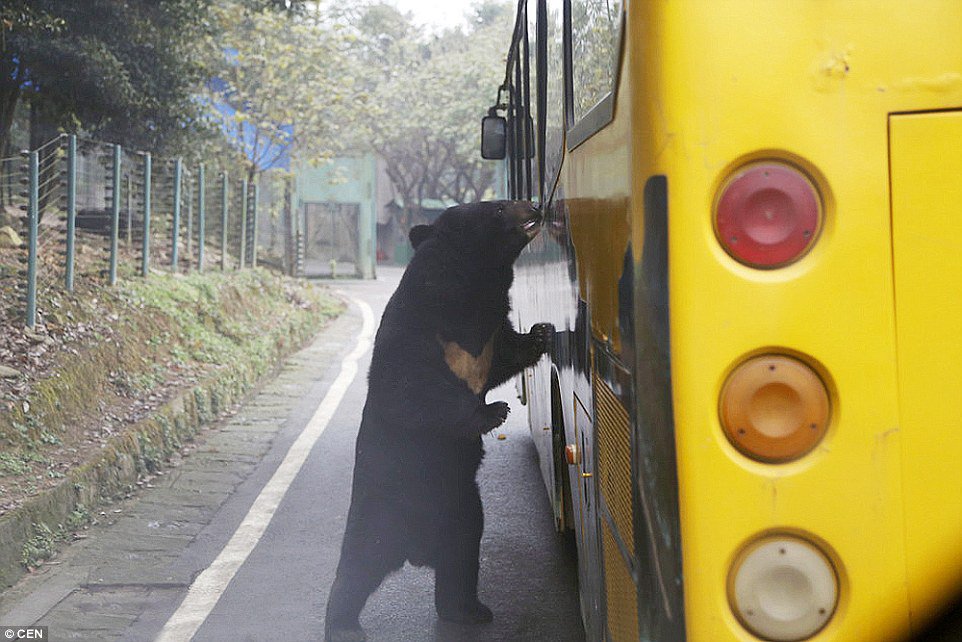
768,215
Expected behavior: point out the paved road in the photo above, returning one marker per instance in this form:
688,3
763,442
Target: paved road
129,576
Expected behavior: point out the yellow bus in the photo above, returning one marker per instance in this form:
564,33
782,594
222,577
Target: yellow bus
752,417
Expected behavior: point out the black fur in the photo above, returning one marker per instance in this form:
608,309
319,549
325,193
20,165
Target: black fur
414,495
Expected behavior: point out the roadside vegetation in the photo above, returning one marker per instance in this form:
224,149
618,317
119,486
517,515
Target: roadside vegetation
107,359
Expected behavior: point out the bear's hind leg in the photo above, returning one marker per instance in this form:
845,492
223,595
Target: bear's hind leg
366,559
456,570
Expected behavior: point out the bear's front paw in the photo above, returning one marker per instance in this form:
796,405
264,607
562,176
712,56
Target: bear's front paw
496,414
543,335
499,410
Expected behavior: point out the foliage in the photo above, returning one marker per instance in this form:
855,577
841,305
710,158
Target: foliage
427,97
25,16
32,23
594,50
40,547
283,83
123,70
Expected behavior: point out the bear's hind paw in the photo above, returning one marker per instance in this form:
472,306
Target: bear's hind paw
477,613
345,635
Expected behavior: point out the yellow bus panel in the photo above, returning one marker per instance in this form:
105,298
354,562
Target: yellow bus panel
721,84
926,161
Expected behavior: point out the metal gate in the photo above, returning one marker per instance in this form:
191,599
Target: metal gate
331,239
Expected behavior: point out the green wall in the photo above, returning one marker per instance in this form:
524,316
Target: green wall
346,179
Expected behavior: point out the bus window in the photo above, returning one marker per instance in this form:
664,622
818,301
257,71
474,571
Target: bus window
531,90
521,137
518,117
554,109
594,51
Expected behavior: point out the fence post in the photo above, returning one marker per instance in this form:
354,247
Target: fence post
253,226
115,218
190,224
298,253
201,214
243,226
71,208
175,237
223,221
288,263
33,214
298,241
145,261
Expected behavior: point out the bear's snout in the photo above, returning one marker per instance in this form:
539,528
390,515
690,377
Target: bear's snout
528,217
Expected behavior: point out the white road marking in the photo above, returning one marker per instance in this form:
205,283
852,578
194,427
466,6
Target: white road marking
208,587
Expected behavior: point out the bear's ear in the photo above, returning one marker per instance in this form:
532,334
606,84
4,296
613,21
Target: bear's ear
419,234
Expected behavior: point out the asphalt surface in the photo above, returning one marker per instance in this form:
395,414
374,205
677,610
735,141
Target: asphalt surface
126,579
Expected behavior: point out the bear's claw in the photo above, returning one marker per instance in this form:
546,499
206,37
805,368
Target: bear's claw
492,415
497,413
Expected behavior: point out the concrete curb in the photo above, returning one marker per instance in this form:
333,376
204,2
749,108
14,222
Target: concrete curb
142,448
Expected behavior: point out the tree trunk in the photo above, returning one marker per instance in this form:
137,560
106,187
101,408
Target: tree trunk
9,97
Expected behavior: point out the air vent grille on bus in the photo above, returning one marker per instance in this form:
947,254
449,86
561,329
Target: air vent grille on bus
620,591
614,460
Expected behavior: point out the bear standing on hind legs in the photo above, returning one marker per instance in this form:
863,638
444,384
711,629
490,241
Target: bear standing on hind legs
444,341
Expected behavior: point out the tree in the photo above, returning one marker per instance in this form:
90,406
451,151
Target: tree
32,22
595,44
282,84
427,97
123,70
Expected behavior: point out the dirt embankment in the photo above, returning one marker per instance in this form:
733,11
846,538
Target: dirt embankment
116,380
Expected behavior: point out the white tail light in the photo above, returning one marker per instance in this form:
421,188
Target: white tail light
783,588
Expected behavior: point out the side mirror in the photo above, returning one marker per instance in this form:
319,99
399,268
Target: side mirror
494,137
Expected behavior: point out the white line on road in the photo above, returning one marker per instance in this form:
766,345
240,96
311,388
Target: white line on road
208,587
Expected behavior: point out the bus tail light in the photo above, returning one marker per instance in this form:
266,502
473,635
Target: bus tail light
768,215
774,408
783,588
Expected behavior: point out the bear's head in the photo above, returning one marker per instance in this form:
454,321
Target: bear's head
495,230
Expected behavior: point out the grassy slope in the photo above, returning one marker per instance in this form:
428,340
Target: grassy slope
118,355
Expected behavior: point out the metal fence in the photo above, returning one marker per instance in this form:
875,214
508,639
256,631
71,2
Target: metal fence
88,211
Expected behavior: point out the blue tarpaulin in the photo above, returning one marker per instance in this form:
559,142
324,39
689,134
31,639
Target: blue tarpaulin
273,154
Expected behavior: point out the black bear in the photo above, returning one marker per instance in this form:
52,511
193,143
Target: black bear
444,341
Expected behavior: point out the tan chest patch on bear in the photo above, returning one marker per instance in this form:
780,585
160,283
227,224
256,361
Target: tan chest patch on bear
472,370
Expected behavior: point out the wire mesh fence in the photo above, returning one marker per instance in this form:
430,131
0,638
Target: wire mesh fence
77,211
46,195
13,267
